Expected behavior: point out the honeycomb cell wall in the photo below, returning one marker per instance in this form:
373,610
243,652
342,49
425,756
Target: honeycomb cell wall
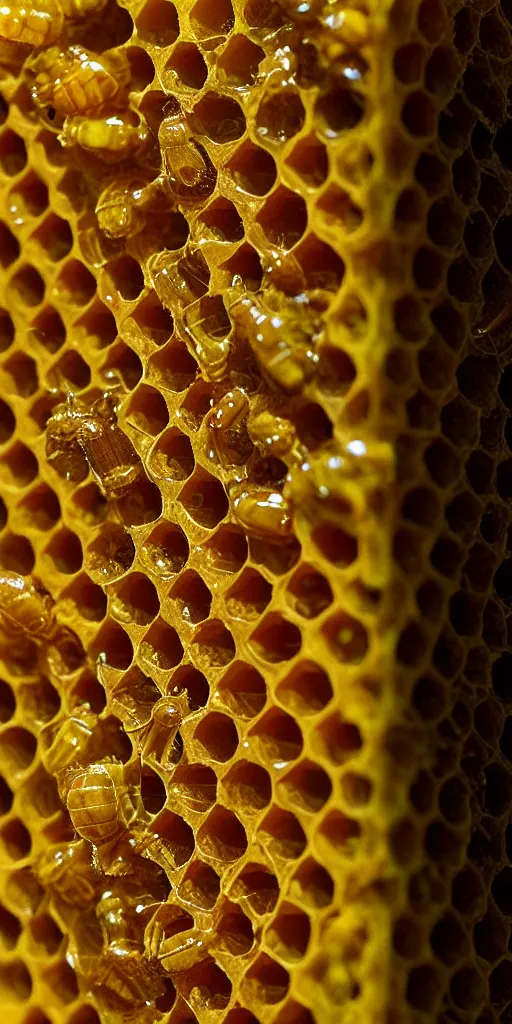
329,827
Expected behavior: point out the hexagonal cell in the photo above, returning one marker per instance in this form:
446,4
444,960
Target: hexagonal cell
235,931
147,410
165,552
13,154
15,983
248,787
356,790
16,554
275,639
278,736
171,458
221,222
75,285
280,116
172,369
7,422
10,929
257,886
110,554
338,836
161,647
266,982
157,23
227,549
177,835
337,111
6,330
65,552
23,373
96,327
29,197
70,369
216,737
40,509
210,21
6,797
204,499
307,787
283,218
252,169
282,835
15,839
112,646
186,67
122,365
191,597
309,592
220,118
62,981
309,161
194,787
242,689
9,246
26,287
45,936
288,935
134,601
54,235
212,646
154,322
338,739
222,836
200,886
18,748
312,885
142,504
7,702
247,599
347,638
238,64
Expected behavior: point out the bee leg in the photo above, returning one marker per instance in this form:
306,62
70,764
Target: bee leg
153,937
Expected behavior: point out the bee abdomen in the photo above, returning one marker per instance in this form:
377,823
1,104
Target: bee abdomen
94,808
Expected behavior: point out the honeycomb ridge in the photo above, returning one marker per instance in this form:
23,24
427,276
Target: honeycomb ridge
333,816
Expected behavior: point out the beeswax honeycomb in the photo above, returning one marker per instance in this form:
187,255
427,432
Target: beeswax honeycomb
334,812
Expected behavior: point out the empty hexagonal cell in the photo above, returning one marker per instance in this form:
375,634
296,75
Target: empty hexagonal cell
22,890
312,885
347,638
152,790
242,689
249,596
122,364
13,154
147,410
142,504
278,737
337,739
96,327
173,369
22,373
134,601
252,169
15,982
238,64
221,222
16,553
65,552
75,284
48,329
193,787
209,21
309,592
266,982
186,67
7,702
248,787
309,161
28,197
177,835
6,330
6,797
257,888
10,929
283,218
280,116
200,886
26,287
62,981
9,246
275,639
307,787
40,508
165,552
227,549
222,836
235,931
337,111
338,835
212,646
110,554
157,23
356,790
161,647
219,118
191,597
204,499
171,458
112,646
15,839
288,935
54,235
216,737
282,834
18,748
7,422
306,690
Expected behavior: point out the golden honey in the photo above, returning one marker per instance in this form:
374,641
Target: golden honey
255,482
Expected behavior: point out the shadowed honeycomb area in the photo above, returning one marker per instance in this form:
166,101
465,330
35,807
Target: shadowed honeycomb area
295,619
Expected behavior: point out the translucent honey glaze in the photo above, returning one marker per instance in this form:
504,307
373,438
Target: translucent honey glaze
255,483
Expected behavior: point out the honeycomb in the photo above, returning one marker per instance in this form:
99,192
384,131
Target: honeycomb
330,820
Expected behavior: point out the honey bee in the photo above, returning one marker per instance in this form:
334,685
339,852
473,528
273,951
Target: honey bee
76,430
42,25
348,488
26,613
106,810
76,81
113,138
282,333
67,871
227,428
263,512
188,173
273,433
65,742
158,733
